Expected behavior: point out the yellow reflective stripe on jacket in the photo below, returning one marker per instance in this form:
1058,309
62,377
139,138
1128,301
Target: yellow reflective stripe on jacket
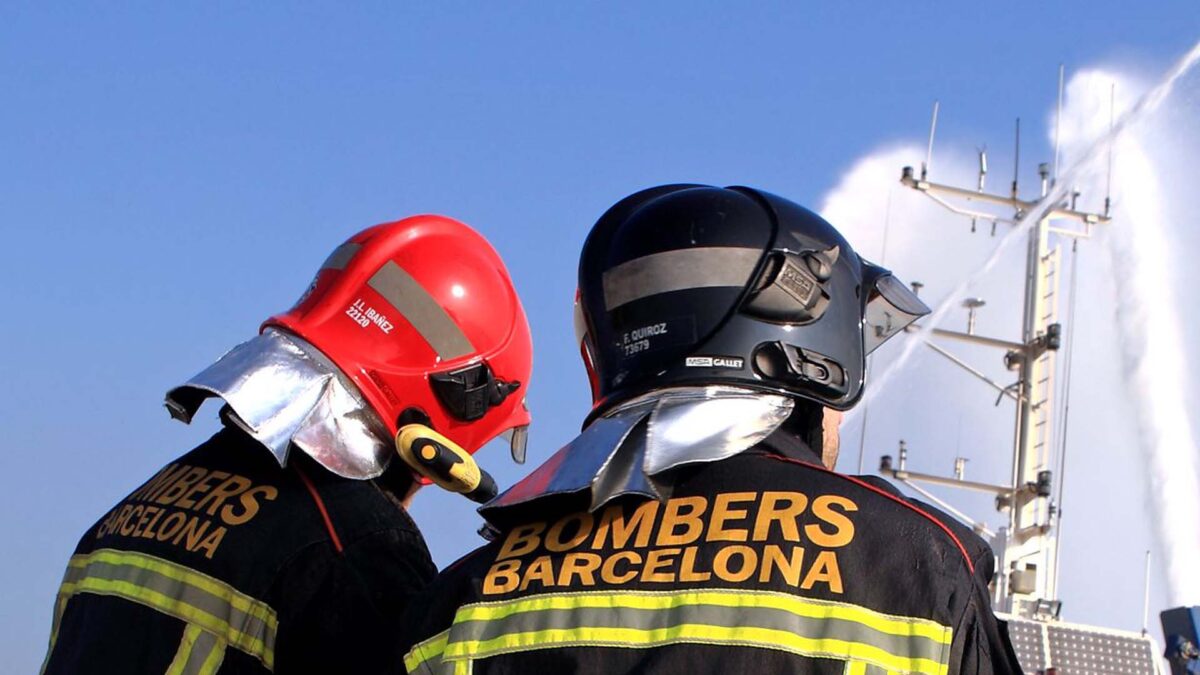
426,651
200,653
744,636
229,615
804,607
60,606
637,619
236,599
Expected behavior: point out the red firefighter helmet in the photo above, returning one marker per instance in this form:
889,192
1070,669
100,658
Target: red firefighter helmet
422,316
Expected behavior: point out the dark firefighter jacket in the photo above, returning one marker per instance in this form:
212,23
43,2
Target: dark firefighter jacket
762,563
225,563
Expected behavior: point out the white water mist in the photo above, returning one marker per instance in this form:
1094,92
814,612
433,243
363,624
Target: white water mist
1149,331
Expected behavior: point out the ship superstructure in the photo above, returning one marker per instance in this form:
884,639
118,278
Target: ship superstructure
1025,590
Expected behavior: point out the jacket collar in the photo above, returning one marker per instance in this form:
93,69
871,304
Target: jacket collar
283,392
633,448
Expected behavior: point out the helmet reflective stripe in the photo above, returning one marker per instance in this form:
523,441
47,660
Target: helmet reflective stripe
340,256
678,270
420,309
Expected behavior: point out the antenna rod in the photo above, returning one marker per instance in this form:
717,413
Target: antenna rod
982,167
929,152
1065,418
1146,603
1058,125
982,178
1017,160
1112,105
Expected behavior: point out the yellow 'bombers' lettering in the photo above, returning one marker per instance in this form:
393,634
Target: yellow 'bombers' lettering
187,506
639,526
770,537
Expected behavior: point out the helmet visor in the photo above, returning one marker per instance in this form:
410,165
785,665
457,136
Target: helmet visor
517,437
891,307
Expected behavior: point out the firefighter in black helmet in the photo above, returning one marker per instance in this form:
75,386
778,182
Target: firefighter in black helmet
695,525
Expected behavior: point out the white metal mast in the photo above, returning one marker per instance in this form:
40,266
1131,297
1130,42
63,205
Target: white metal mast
1026,580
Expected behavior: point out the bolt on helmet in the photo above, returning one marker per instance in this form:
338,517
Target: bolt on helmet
422,316
685,285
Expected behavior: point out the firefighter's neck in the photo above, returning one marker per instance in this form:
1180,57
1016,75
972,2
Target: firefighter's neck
407,500
398,485
831,436
810,433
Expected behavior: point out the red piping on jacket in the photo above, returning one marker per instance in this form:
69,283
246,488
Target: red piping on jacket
962,549
312,490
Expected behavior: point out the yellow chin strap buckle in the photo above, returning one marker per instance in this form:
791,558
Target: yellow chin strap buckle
442,461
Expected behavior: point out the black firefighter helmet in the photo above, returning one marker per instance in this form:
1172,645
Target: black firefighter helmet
693,284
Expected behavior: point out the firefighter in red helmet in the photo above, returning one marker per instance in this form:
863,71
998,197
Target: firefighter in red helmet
282,544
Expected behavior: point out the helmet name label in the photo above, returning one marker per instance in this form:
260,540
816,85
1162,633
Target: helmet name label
672,331
638,339
365,316
647,331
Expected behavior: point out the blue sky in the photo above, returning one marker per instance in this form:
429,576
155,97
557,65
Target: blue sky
172,174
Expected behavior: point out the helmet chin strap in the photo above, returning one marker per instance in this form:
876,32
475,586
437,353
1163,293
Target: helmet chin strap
284,392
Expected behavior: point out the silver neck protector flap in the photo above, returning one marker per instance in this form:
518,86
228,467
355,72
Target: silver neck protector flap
629,449
283,391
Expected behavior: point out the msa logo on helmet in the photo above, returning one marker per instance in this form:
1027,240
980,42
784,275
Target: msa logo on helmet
797,283
794,288
714,362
